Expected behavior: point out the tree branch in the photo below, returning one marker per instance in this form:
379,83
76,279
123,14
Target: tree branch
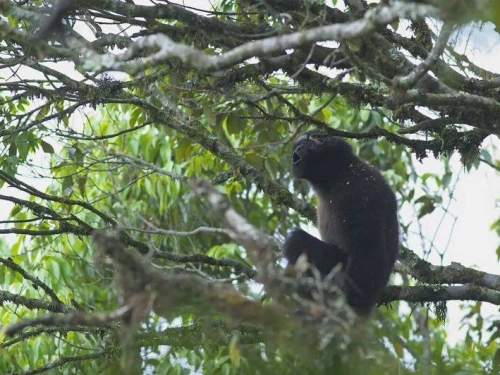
437,293
204,62
262,248
455,273
32,303
191,128
420,70
35,280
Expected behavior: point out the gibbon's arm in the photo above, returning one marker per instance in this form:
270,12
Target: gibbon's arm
320,254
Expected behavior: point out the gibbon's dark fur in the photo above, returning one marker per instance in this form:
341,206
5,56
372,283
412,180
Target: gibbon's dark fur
357,219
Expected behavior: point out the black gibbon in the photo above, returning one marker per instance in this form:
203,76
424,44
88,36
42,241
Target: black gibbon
356,217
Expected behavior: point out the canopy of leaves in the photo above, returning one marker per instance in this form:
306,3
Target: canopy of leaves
145,188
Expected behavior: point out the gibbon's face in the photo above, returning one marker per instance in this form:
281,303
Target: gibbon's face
316,157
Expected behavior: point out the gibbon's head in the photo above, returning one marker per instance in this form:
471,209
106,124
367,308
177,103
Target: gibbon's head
318,157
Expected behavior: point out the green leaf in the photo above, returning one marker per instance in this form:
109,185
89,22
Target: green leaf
234,351
47,147
232,124
209,115
15,210
67,186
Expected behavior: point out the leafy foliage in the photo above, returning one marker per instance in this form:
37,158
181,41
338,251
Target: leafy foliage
87,149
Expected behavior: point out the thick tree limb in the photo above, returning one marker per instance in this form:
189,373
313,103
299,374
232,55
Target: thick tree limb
204,62
32,303
70,318
455,273
262,249
137,278
437,293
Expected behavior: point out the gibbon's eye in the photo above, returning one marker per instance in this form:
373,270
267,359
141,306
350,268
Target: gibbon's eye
295,157
318,137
